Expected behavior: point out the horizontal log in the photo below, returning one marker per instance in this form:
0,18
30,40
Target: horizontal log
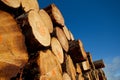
46,19
57,49
37,35
99,64
70,67
49,65
55,14
62,38
13,52
77,51
66,31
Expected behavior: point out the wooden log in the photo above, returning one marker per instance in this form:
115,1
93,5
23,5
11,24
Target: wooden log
37,35
87,76
85,66
47,20
89,57
13,53
66,31
66,76
99,64
49,65
30,5
71,36
55,14
12,3
57,49
77,51
62,38
93,75
70,67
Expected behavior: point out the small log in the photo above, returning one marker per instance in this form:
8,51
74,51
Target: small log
66,76
77,51
66,31
30,5
55,14
62,38
49,65
47,20
13,53
12,3
99,64
85,66
89,57
57,49
37,35
71,36
93,75
70,67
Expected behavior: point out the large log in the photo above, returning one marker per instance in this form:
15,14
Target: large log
77,51
55,14
47,20
70,67
37,35
12,3
99,64
57,49
30,5
62,38
49,65
13,53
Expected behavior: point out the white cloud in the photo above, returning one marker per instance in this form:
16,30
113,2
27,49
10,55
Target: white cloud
112,69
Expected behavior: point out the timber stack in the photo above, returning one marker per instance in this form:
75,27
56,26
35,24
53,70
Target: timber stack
35,44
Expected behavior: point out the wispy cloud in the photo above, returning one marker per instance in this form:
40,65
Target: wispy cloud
112,69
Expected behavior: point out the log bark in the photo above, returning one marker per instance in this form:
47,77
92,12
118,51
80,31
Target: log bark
13,53
57,49
66,31
70,67
77,51
62,38
49,65
55,14
30,5
66,76
37,35
47,20
99,64
12,3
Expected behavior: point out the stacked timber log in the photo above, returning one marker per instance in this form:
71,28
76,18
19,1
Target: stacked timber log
35,44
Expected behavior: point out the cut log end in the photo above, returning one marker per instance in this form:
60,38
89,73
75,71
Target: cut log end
39,30
57,49
62,39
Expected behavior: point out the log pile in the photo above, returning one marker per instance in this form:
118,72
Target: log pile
35,44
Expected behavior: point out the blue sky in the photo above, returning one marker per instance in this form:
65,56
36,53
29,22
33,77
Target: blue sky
97,24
